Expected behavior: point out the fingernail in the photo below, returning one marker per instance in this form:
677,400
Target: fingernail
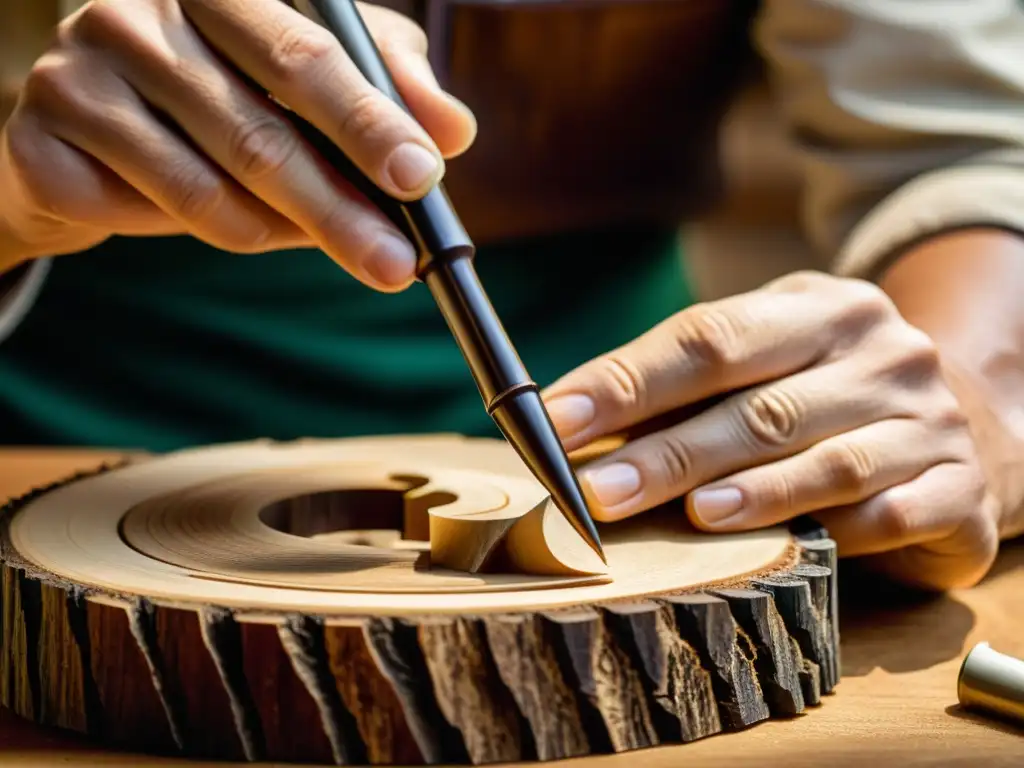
393,262
411,167
716,504
612,484
571,414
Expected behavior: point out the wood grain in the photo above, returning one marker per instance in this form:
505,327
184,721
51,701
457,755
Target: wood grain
710,626
776,658
895,705
369,695
524,655
133,710
469,691
682,695
191,526
609,688
264,681
287,713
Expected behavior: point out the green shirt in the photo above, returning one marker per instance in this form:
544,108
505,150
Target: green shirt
164,343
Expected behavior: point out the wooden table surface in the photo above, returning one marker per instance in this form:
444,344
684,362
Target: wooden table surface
896,704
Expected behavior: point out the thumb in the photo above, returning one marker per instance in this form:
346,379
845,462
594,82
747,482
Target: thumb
403,45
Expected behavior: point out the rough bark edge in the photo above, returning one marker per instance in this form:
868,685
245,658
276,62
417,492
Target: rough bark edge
303,640
618,672
820,550
757,652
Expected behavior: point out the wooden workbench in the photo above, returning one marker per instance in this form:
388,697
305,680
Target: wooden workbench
896,704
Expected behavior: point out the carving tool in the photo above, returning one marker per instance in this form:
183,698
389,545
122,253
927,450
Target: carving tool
445,265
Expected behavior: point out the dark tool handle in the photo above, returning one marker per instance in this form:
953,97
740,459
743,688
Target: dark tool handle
509,394
340,162
431,222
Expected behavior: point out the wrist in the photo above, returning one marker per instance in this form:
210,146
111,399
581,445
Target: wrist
997,429
962,289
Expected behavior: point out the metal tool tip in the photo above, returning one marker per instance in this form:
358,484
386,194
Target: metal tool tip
573,505
525,423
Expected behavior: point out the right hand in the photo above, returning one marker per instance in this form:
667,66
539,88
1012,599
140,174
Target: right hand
136,123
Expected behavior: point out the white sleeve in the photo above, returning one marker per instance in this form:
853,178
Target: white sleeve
907,116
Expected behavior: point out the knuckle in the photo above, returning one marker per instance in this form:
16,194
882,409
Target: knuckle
103,22
350,238
863,291
367,115
770,417
801,281
675,462
862,305
52,86
193,192
261,147
949,416
334,223
711,337
625,382
921,353
848,467
980,530
894,517
771,493
916,360
301,53
114,29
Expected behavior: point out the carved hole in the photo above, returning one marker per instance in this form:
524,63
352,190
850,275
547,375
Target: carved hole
378,517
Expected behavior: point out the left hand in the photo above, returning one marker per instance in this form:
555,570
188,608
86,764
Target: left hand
833,405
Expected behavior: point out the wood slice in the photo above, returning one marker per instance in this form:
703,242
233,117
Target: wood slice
400,600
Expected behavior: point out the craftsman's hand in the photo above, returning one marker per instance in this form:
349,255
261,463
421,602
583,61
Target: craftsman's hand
136,122
833,405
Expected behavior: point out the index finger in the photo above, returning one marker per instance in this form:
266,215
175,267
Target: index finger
305,67
706,350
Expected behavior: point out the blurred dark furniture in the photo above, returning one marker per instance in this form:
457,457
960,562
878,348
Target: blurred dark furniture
591,112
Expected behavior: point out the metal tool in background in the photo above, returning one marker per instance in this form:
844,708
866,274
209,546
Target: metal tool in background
992,682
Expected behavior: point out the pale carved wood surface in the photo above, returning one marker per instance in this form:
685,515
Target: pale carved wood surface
111,628
149,529
895,705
